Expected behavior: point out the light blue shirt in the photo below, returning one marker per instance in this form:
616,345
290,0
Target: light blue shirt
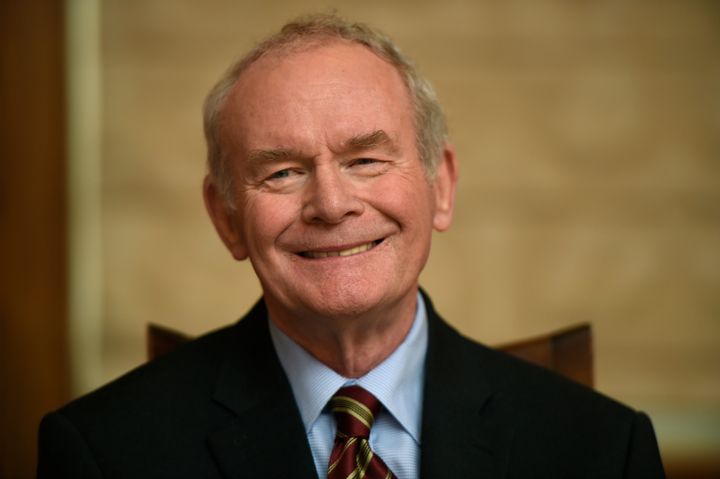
397,382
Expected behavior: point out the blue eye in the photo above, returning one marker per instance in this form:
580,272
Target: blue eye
280,174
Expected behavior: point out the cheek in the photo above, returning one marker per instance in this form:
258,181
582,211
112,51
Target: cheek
266,217
407,200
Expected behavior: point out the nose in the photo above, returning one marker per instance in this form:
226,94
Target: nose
329,197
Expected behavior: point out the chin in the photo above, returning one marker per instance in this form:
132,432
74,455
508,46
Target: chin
343,300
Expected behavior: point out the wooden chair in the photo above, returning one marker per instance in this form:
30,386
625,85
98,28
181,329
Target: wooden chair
162,340
567,352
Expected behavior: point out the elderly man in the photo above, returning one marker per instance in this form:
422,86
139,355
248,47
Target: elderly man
329,169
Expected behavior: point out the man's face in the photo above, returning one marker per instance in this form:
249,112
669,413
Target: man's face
332,204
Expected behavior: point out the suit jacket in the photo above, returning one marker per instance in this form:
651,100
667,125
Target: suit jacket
222,407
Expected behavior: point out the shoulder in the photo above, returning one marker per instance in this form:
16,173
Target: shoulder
184,376
459,361
149,413
529,387
557,425
159,414
186,372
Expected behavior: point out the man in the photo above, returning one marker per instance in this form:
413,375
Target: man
329,169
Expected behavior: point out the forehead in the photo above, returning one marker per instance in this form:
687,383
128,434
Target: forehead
321,92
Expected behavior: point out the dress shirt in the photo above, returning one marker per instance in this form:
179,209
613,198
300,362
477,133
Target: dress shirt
397,382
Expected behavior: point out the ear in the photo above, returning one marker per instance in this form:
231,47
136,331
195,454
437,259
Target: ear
226,220
444,183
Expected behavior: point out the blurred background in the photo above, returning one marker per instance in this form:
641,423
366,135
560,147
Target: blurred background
588,134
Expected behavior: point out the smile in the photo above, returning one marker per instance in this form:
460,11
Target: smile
343,252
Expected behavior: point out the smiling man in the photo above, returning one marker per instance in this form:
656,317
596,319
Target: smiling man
330,200
329,169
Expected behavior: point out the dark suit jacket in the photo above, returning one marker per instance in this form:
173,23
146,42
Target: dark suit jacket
221,406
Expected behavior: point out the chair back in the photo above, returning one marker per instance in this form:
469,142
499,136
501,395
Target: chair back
568,352
162,340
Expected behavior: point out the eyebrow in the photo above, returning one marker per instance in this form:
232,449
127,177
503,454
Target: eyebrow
376,139
274,155
363,142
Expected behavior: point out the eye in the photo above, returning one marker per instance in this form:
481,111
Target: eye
282,174
279,179
368,166
363,162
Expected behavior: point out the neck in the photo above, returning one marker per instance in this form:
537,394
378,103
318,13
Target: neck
350,345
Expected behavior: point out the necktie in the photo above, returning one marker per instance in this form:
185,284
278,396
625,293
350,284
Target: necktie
351,458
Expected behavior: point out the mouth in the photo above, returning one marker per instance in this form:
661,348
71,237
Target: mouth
362,248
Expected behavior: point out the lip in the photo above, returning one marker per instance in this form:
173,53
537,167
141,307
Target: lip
341,251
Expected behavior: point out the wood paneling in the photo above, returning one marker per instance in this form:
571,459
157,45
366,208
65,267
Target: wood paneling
692,469
33,339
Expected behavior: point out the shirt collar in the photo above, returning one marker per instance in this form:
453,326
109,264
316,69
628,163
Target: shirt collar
397,381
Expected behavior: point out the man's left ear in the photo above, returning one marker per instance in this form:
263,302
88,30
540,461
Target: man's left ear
444,183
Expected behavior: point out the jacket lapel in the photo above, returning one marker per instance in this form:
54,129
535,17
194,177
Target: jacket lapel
266,436
468,426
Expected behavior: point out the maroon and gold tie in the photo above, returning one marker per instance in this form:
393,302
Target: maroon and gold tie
351,458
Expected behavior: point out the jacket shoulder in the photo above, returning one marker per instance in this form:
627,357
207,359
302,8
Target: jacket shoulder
528,386
558,426
158,414
186,371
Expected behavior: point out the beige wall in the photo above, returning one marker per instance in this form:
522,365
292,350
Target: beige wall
589,141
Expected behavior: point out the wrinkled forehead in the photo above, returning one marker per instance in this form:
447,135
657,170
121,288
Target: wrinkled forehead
316,88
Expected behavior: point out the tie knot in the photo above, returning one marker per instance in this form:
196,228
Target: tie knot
354,409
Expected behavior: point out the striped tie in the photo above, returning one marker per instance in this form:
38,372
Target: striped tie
351,458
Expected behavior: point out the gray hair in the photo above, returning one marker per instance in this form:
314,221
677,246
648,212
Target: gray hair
429,120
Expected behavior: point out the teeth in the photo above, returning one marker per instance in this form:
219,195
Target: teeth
355,250
345,252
